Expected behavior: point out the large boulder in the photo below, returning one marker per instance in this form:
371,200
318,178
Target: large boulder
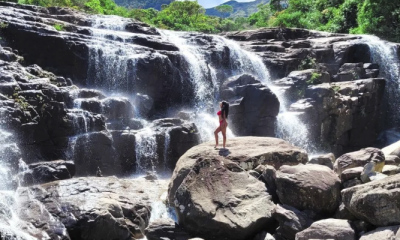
253,106
88,208
360,159
247,152
206,181
328,229
312,187
219,200
376,202
383,233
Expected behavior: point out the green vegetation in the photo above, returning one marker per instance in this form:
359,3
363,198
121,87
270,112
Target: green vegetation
379,17
336,88
307,63
3,25
315,79
59,27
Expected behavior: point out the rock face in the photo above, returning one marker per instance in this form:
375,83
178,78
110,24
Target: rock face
375,202
326,79
295,185
328,229
359,159
253,106
213,194
88,208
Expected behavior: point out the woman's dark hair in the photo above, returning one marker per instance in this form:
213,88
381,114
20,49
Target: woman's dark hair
225,109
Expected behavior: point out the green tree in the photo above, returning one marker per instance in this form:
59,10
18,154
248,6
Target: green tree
225,9
379,17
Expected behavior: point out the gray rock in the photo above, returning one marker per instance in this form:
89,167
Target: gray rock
43,172
253,106
325,160
217,199
352,183
359,159
165,229
328,229
393,149
351,173
295,185
86,208
195,182
375,202
247,152
392,160
382,233
291,221
390,170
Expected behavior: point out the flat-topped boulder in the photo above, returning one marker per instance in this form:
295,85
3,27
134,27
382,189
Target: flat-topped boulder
376,202
213,194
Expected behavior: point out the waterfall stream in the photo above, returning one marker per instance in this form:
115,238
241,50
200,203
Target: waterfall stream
385,54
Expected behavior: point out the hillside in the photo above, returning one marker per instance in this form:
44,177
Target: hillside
240,9
143,4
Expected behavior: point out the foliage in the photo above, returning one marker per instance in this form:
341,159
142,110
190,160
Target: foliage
307,63
379,17
59,27
3,25
315,79
336,88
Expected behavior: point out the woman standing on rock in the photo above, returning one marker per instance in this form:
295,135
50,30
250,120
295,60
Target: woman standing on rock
223,124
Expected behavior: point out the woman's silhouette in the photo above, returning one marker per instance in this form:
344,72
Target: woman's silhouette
223,124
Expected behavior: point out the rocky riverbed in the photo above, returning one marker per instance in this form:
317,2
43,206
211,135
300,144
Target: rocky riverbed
86,110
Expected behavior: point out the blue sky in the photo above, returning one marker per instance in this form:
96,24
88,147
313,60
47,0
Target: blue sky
213,3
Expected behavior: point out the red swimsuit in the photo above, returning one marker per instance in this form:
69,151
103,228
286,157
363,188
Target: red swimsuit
220,122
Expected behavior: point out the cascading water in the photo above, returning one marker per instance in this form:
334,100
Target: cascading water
146,150
387,56
10,224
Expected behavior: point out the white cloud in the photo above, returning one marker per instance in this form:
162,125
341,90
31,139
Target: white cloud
213,3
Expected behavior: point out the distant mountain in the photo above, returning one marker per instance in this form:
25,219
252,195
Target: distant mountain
144,4
240,9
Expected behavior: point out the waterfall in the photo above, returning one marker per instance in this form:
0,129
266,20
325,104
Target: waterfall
10,224
146,150
385,54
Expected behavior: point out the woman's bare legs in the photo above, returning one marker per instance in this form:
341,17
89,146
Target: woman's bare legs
216,135
223,130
